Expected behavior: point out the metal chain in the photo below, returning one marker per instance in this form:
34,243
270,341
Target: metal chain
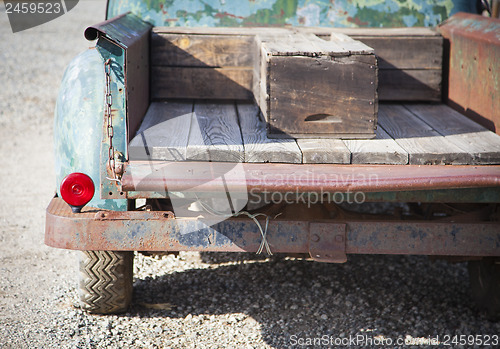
109,116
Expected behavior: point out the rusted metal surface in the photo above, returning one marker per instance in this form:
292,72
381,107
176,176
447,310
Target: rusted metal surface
327,242
152,176
456,195
115,54
94,229
424,238
474,67
151,231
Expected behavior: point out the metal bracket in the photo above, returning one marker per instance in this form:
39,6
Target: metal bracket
327,242
133,215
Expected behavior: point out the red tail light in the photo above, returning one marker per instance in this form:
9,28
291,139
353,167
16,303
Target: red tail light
77,189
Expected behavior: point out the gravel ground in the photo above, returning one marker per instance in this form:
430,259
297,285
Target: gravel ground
194,300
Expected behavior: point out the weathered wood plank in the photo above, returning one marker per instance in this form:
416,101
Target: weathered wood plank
409,85
260,87
324,151
424,145
328,47
396,48
350,45
355,32
297,44
407,53
381,150
482,144
259,148
444,119
201,50
215,133
201,83
251,31
410,68
164,133
424,133
309,45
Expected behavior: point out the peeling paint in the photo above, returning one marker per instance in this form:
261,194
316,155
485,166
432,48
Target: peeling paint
326,13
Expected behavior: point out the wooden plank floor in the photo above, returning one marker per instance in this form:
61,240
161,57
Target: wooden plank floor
426,134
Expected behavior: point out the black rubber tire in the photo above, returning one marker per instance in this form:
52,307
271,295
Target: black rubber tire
485,286
106,281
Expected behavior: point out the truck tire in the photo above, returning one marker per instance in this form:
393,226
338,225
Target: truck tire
485,286
106,281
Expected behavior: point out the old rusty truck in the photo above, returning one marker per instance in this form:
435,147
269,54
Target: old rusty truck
308,128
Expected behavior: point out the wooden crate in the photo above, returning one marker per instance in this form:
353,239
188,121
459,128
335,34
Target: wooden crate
307,87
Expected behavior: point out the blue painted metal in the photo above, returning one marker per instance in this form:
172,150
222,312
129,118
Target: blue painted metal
78,123
326,13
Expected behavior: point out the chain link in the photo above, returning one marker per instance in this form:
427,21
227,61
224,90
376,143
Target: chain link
109,116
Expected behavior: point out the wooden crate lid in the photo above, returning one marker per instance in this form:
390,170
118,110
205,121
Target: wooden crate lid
309,45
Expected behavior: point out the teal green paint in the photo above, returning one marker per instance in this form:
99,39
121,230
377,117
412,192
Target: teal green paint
371,18
78,123
277,15
440,11
327,13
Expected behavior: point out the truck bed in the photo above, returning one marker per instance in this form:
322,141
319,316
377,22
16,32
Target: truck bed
231,131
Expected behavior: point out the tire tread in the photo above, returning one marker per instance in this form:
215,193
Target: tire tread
106,281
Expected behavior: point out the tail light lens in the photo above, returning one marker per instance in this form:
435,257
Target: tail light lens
77,189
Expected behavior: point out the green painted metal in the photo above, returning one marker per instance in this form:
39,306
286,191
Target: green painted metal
109,50
124,30
81,142
78,123
116,42
325,13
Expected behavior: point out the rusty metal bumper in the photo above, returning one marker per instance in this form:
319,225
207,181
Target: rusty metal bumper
153,176
330,241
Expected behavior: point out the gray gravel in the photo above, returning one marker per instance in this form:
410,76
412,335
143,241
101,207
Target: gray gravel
194,300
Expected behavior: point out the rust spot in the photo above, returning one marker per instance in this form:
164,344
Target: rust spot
357,21
225,14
